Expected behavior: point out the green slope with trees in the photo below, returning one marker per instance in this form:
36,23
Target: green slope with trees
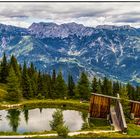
26,82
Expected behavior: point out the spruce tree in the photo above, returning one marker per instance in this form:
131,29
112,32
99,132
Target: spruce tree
14,64
116,88
4,70
83,89
49,86
104,86
61,87
57,119
33,78
58,124
131,91
53,76
26,83
44,86
71,86
110,87
53,85
107,87
13,86
99,87
31,70
94,85
138,93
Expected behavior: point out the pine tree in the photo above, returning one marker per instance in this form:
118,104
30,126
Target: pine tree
131,91
14,64
58,125
31,70
49,86
44,86
83,89
116,88
110,88
33,78
104,86
13,86
40,86
33,81
138,93
61,87
53,85
94,85
4,70
57,119
99,87
54,76
26,84
71,86
107,87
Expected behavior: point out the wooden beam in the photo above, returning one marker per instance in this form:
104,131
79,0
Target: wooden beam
107,96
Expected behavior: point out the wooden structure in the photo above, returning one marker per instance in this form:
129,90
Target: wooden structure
135,108
100,108
120,115
100,105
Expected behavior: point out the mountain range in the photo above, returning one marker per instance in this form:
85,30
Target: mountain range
106,50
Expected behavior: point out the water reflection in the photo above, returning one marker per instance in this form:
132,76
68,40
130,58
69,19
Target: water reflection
14,119
85,123
40,110
26,114
38,119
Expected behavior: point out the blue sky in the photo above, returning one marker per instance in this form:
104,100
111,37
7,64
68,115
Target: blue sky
88,14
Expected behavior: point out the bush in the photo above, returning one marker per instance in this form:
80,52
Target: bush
62,131
85,126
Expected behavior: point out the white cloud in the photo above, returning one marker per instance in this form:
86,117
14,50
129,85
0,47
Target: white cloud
89,14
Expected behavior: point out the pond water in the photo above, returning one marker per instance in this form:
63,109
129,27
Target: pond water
36,120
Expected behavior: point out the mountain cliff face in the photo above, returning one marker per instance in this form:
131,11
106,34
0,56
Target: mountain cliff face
110,51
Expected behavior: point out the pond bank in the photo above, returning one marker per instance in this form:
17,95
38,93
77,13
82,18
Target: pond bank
54,134
71,104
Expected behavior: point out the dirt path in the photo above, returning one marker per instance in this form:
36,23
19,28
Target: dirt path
10,106
70,134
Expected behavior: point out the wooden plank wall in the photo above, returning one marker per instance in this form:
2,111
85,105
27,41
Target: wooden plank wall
135,108
99,106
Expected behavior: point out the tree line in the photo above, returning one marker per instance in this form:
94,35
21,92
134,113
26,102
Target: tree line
26,82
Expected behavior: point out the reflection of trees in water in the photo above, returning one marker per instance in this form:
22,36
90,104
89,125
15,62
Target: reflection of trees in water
40,110
14,118
84,116
26,114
